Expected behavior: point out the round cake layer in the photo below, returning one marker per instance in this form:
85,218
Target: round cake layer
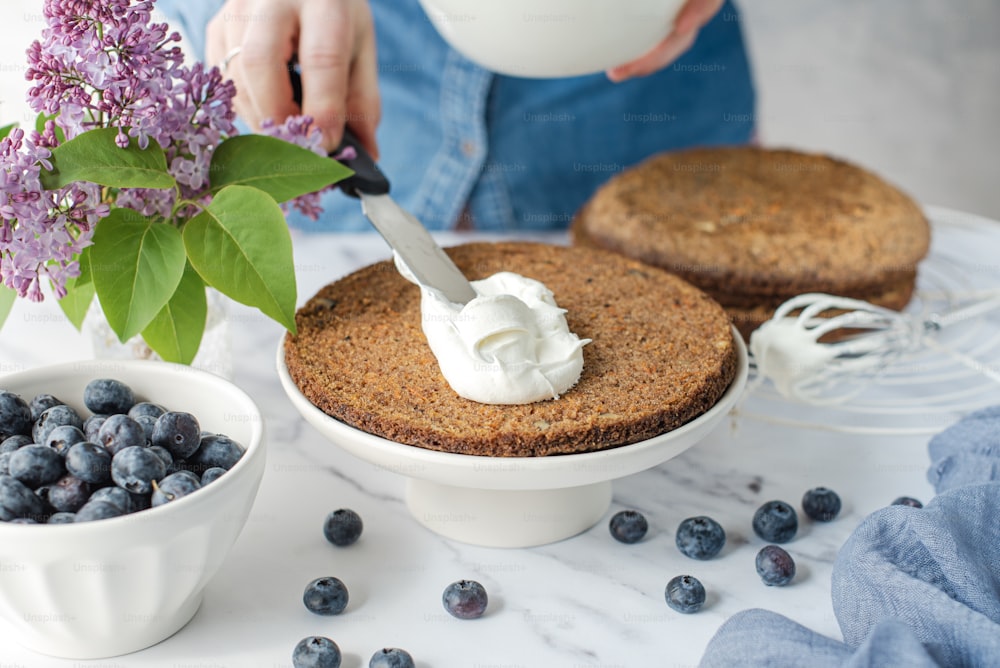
662,353
760,223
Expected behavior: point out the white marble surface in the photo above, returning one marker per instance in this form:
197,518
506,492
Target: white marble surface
583,602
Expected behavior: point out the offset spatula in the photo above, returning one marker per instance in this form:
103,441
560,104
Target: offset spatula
429,264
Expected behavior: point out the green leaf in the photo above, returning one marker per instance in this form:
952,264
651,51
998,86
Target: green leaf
281,169
5,130
93,156
175,333
241,246
137,265
7,297
79,292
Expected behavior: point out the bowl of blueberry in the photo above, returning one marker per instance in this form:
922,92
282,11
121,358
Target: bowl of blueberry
123,486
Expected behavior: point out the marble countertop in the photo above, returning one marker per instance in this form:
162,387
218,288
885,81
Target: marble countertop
585,602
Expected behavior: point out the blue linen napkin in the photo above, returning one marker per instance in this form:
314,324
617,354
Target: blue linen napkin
911,587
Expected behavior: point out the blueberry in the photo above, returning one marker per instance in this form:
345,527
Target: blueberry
776,522
215,450
146,408
119,432
24,520
41,403
465,599
15,415
174,486
316,652
391,657
17,500
5,463
685,593
135,469
148,424
92,427
108,396
98,510
342,527
775,566
700,537
12,443
907,501
68,494
89,462
628,526
164,454
63,436
821,504
178,432
36,465
211,475
117,496
62,518
52,418
325,596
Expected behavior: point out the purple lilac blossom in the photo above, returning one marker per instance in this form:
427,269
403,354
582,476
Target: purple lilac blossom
301,131
103,63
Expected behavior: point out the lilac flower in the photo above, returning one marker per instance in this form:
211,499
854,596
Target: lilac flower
301,131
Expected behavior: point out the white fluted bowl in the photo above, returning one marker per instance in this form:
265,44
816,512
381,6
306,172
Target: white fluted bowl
551,38
110,587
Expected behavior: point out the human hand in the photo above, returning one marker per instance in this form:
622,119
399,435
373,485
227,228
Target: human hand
334,43
690,19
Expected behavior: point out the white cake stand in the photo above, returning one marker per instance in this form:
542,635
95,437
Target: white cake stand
512,501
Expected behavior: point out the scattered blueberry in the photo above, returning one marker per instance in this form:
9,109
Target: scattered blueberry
775,566
211,475
92,427
17,500
62,437
108,396
146,408
700,537
62,518
821,504
391,657
628,526
12,443
53,417
15,415
465,599
316,652
685,593
5,463
98,510
164,454
776,522
178,432
135,469
325,596
68,494
148,424
174,486
119,431
907,501
216,450
342,527
36,465
41,403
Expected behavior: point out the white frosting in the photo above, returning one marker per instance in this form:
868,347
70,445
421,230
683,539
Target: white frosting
509,345
788,354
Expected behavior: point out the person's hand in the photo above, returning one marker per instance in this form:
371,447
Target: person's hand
690,19
334,42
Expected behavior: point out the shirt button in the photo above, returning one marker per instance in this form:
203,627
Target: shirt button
469,148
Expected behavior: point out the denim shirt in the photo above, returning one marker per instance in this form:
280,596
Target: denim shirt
514,153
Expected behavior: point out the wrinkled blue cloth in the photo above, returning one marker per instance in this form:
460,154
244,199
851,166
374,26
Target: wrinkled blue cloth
463,145
911,587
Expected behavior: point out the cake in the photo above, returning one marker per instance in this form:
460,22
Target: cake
754,227
661,354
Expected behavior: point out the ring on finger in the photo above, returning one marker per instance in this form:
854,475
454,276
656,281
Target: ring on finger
233,52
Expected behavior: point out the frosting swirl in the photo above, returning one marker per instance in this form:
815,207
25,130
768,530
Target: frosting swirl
509,345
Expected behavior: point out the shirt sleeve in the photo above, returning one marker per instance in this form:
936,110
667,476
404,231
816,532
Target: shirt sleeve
190,17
